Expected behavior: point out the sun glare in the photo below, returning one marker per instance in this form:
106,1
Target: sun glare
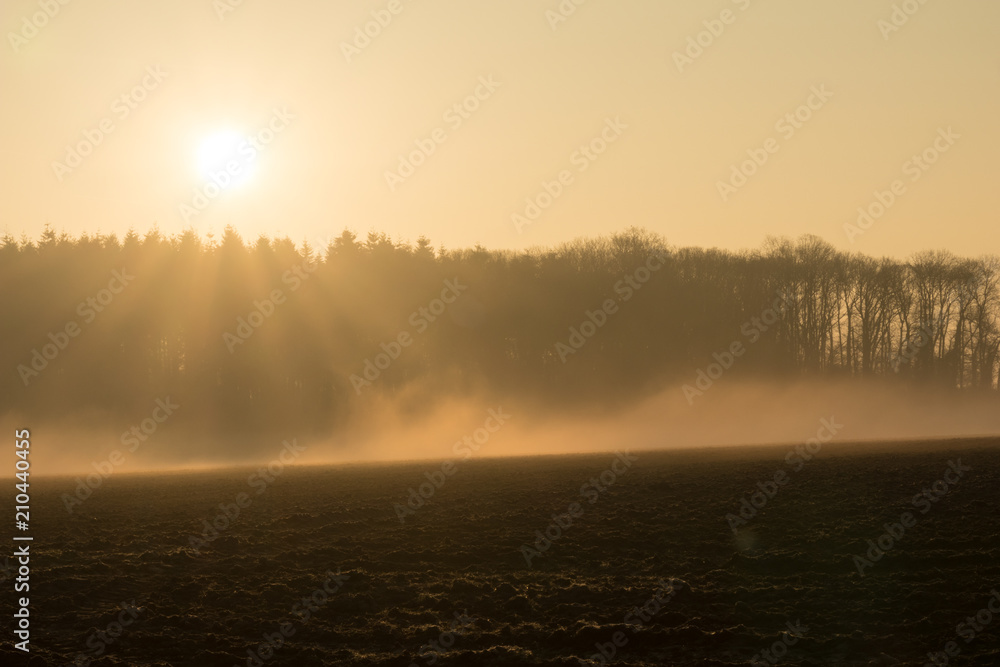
226,158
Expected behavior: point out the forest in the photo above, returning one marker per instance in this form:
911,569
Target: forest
257,336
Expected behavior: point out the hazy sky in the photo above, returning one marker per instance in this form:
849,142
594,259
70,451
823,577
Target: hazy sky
330,124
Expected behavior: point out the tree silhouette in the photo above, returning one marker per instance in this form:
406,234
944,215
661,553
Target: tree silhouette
270,336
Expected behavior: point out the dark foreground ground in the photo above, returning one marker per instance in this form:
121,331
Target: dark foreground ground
400,585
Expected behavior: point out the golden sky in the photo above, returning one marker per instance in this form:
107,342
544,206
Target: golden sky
182,84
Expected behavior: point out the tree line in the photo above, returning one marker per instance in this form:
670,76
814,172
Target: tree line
250,337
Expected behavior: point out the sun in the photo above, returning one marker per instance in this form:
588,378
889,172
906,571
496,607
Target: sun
225,157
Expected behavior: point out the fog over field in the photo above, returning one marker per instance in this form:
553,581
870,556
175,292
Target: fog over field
591,343
733,413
